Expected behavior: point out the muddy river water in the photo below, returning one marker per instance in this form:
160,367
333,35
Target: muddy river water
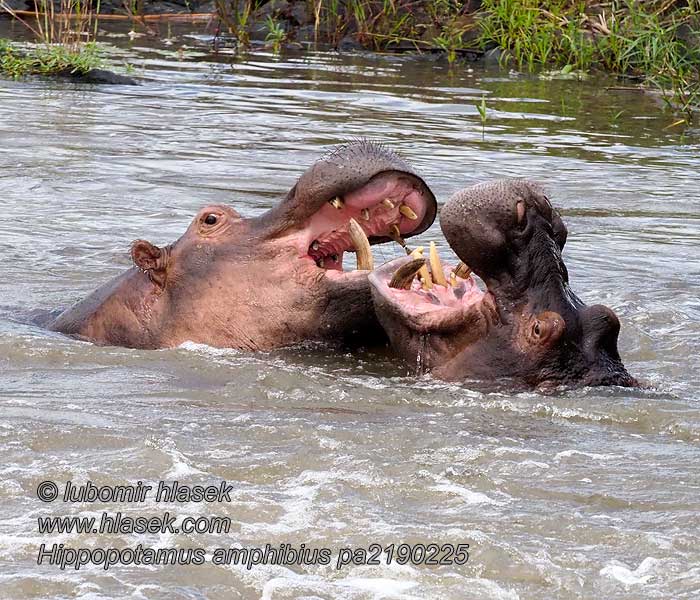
589,493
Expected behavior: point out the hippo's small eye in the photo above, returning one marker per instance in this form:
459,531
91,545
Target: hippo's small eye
211,219
536,330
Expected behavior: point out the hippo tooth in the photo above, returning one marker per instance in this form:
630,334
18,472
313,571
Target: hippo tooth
407,212
365,260
314,245
404,275
337,203
436,266
365,214
423,273
388,203
395,234
462,270
321,262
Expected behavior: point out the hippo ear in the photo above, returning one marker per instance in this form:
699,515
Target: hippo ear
150,259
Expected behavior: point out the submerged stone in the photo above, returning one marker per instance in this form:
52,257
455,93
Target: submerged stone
98,76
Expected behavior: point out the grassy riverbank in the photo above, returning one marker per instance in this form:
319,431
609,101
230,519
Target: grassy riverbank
52,60
655,43
64,34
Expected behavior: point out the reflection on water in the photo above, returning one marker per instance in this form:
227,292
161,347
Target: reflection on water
586,493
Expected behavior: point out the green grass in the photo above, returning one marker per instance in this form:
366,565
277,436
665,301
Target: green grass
47,60
639,40
64,32
483,115
236,16
276,34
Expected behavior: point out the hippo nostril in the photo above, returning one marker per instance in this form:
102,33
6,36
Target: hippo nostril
601,328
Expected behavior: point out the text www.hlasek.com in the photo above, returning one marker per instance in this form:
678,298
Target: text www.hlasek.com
284,554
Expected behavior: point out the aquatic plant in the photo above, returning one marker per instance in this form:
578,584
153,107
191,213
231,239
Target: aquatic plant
70,23
483,115
65,36
276,34
236,17
450,41
47,60
641,40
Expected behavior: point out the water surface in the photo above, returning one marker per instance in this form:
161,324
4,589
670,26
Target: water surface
575,494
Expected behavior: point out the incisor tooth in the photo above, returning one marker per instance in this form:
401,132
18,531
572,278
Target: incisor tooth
388,203
407,212
365,214
365,260
436,266
337,203
423,273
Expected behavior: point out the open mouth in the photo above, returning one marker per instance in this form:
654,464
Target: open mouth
422,286
390,207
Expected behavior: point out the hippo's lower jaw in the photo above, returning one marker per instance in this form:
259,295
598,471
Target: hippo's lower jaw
527,327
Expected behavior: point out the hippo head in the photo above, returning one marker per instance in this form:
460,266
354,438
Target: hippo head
267,281
528,326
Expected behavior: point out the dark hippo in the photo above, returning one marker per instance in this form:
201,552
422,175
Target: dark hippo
269,281
528,326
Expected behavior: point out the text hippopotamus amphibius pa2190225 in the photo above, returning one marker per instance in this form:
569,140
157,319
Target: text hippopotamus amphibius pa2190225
269,281
528,326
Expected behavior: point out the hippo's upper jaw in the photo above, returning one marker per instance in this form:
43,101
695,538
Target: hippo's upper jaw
360,194
527,326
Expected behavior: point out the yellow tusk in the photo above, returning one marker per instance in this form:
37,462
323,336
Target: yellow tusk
365,260
423,273
436,266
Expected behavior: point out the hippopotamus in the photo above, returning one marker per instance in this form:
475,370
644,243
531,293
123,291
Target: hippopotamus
268,281
527,327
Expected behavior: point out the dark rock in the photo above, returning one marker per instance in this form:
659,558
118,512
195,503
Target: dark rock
274,8
349,43
300,13
165,8
689,33
492,56
99,76
305,34
18,5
